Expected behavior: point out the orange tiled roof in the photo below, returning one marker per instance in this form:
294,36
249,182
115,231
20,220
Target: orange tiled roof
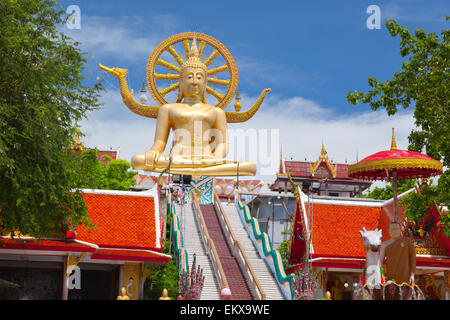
336,228
121,221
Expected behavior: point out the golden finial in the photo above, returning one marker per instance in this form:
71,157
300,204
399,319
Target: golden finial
393,144
280,169
237,105
77,145
194,50
294,185
323,151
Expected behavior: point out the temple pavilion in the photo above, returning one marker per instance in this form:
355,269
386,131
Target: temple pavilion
323,176
90,263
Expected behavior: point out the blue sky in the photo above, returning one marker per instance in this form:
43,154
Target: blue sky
311,54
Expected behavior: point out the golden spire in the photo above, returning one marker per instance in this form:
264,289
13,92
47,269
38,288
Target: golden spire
294,185
281,169
193,58
323,158
193,52
323,152
393,144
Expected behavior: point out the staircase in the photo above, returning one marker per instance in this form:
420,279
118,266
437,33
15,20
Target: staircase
260,267
236,281
193,244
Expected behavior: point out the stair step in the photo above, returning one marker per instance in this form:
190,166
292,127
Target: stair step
259,266
193,244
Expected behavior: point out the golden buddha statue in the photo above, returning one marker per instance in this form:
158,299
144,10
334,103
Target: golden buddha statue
200,129
123,295
165,295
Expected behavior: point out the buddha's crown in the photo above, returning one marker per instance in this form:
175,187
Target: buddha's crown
193,58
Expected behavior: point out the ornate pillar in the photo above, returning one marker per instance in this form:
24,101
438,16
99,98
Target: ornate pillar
69,265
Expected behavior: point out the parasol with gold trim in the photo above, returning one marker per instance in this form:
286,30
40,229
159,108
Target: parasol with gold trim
395,164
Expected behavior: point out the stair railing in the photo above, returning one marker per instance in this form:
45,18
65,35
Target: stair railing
209,244
238,252
179,250
270,255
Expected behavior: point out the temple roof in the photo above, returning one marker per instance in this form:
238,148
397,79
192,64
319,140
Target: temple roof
321,168
122,219
303,169
336,228
334,176
128,227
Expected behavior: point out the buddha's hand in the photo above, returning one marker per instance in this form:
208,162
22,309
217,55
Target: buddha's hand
151,157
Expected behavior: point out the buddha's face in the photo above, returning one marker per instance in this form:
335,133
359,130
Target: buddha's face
193,82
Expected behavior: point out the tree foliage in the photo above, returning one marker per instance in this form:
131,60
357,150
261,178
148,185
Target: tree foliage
422,83
387,192
163,276
42,97
418,203
90,173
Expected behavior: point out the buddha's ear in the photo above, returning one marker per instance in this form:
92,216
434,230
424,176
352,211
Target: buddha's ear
180,96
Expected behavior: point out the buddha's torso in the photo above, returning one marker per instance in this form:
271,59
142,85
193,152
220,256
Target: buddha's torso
192,128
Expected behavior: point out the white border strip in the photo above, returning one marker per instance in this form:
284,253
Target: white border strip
154,192
137,250
119,192
356,202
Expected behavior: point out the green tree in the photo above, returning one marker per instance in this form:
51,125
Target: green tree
88,172
163,276
423,83
115,175
42,97
387,192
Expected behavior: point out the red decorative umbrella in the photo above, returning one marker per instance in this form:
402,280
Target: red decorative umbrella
395,164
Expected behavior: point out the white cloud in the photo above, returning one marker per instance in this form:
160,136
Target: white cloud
124,37
303,125
406,13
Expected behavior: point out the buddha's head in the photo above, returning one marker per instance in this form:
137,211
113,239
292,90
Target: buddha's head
165,294
193,76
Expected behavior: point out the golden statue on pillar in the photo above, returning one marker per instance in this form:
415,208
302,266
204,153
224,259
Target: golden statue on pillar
199,129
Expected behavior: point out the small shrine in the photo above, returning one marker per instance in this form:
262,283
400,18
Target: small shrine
323,176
